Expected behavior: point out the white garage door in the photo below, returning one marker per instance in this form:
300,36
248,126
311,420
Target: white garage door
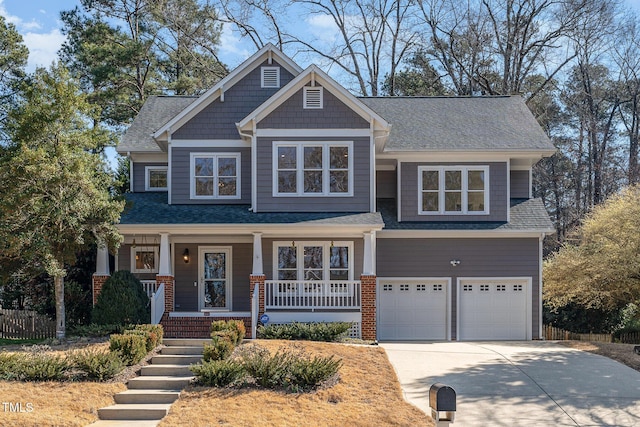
412,309
493,309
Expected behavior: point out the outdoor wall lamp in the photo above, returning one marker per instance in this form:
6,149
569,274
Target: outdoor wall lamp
454,262
185,255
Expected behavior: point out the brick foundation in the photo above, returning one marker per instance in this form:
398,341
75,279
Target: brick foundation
168,291
368,301
257,280
97,284
196,327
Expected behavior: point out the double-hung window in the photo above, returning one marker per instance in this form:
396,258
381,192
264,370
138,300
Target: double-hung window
313,168
215,175
144,259
453,190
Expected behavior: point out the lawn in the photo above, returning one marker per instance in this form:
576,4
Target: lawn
368,393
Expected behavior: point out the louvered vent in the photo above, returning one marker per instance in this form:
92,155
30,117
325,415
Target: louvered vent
312,97
270,76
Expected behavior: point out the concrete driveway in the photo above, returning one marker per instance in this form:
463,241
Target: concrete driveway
511,384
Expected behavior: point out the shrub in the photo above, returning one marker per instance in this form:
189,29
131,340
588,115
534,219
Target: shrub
267,370
332,331
98,364
132,348
9,363
218,373
220,348
95,330
42,367
236,327
156,331
307,372
122,300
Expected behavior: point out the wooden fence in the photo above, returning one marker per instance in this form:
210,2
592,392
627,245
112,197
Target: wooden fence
25,324
553,333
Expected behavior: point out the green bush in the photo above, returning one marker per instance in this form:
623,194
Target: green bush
156,331
9,366
132,348
42,367
122,300
328,332
95,330
218,373
306,372
98,364
220,348
267,370
235,326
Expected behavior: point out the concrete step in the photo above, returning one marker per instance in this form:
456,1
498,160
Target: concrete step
125,423
181,350
147,396
176,359
158,383
166,370
186,342
150,411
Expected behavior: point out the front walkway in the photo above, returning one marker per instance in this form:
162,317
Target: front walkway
534,383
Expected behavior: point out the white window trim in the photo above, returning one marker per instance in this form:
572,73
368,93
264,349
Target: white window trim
465,191
320,89
326,184
326,248
262,71
229,279
147,180
156,258
215,196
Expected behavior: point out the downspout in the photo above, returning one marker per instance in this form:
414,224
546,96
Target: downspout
169,174
540,254
130,172
254,165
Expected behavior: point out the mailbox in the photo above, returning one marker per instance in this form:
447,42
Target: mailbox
442,401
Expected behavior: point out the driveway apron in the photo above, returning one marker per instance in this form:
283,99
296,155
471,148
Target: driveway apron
534,383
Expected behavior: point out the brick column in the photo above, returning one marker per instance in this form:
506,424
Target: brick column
257,280
97,282
168,291
368,303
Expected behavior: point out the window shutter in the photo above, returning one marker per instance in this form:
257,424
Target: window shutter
270,77
312,97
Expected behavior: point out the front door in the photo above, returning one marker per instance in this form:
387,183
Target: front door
214,290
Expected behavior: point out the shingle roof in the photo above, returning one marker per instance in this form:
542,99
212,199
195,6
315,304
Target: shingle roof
525,215
152,208
459,123
155,112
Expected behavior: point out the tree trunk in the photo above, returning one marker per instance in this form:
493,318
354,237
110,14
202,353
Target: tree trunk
60,320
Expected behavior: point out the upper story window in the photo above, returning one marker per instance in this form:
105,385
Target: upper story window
270,77
144,259
215,175
155,178
312,97
313,169
453,190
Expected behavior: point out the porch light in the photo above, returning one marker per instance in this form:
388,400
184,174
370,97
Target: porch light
133,245
185,255
293,244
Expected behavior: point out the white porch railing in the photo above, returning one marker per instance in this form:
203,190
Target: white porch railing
157,305
149,286
312,294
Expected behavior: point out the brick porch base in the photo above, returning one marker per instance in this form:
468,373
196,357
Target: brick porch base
195,327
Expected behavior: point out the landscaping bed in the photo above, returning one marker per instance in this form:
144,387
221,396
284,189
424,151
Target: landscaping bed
366,393
622,353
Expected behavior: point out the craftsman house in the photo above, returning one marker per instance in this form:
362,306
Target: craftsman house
279,193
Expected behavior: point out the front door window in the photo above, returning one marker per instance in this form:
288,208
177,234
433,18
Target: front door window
215,278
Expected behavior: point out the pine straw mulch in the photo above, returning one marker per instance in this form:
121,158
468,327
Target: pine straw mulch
622,353
366,393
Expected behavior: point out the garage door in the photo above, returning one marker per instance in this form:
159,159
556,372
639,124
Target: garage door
412,309
493,309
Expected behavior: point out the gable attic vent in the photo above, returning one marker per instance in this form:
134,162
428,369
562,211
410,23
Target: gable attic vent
312,97
270,77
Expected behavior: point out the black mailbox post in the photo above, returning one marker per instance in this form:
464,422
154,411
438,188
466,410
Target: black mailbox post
442,401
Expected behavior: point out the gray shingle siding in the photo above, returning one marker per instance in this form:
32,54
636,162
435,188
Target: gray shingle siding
180,175
334,114
479,258
498,203
139,174
218,119
359,202
519,184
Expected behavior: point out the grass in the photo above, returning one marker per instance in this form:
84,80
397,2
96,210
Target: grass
368,393
622,353
11,341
